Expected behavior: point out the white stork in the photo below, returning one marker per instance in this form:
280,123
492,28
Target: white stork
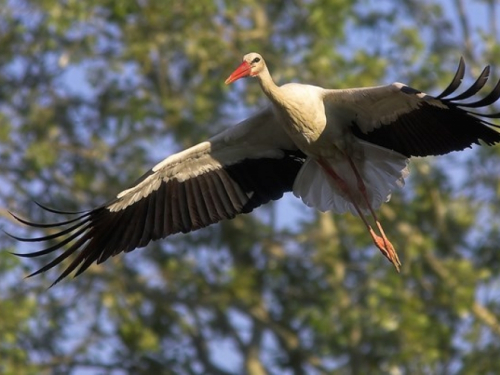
338,150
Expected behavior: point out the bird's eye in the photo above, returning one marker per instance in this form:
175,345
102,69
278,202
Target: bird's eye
256,60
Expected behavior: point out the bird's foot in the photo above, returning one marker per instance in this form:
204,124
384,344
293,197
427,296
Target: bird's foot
386,248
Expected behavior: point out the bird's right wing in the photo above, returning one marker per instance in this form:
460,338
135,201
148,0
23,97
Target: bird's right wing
232,173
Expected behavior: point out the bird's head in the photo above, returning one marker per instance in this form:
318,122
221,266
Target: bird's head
252,65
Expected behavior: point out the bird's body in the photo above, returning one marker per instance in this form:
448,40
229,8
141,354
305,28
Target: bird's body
342,173
301,112
338,150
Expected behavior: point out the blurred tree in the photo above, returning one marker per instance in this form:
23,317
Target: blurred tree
93,93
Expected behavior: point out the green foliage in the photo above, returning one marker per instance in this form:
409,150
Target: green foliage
88,89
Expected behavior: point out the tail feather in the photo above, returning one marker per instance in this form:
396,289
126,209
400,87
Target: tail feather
382,171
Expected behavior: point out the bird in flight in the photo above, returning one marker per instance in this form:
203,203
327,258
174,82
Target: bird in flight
338,150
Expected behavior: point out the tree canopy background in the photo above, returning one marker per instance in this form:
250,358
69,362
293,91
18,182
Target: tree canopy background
94,93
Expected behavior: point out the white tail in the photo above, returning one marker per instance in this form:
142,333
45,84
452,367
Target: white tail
382,171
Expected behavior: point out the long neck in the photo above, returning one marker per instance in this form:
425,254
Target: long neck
268,86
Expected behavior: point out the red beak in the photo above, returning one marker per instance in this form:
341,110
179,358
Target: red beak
241,71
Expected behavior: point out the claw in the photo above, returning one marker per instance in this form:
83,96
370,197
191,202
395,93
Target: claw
386,248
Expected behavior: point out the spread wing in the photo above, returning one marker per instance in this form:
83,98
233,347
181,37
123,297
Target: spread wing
232,173
413,123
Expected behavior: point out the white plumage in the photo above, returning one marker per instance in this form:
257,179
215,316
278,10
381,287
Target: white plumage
382,171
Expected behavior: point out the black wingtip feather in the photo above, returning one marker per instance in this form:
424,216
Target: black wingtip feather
53,210
457,80
51,236
476,86
49,225
489,99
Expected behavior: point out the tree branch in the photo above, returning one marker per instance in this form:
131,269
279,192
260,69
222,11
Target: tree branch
462,17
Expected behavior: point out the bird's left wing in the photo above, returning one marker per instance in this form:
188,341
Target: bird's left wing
232,173
408,121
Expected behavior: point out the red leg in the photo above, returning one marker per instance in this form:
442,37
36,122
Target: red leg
393,256
382,243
